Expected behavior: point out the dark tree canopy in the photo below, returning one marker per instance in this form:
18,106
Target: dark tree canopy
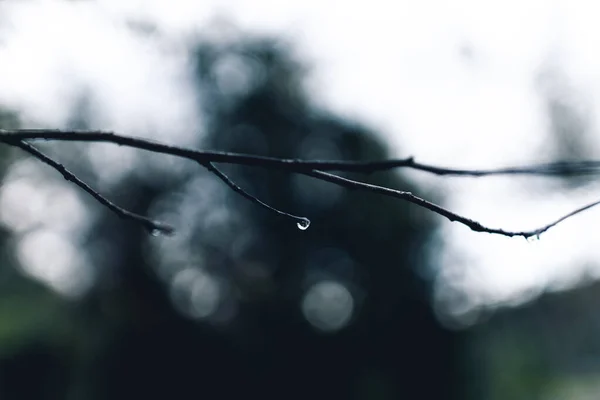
241,302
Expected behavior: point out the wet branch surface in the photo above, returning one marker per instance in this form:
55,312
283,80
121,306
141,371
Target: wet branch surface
317,169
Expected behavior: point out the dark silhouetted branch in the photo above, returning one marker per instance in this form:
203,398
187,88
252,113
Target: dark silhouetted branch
408,196
314,168
150,224
302,222
294,165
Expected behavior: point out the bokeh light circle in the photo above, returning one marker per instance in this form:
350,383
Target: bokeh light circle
328,306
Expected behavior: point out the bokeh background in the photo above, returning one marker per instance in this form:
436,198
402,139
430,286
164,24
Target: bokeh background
378,299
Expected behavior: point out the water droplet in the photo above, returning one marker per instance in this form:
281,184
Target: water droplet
534,238
303,224
162,231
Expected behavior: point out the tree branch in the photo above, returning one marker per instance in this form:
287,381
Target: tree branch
408,196
150,224
302,222
293,165
314,168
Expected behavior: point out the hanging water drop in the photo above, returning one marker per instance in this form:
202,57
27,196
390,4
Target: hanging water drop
533,238
303,224
163,231
155,232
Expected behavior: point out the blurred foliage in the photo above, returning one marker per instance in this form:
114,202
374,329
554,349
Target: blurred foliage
547,349
240,302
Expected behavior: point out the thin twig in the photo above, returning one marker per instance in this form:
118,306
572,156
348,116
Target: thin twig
302,222
408,196
569,215
150,224
294,165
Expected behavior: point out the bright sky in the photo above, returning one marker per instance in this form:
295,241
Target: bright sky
422,94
